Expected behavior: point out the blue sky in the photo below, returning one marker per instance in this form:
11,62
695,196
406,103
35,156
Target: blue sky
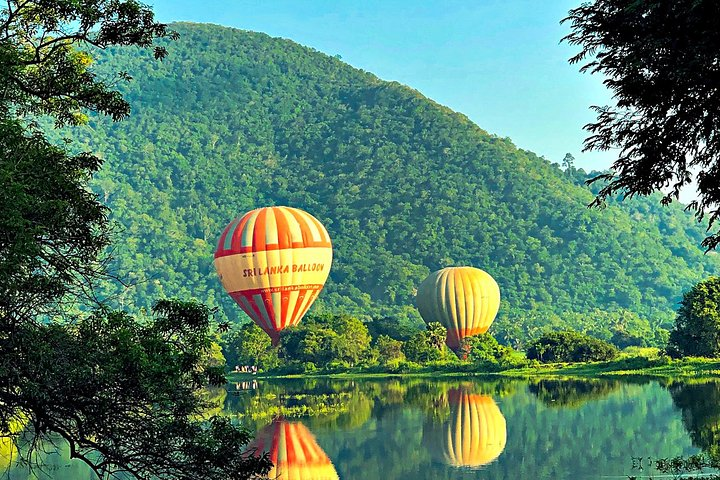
498,62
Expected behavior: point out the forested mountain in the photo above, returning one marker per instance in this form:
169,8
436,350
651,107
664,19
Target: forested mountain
233,120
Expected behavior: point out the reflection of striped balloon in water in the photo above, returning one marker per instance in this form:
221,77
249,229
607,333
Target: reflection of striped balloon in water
473,436
273,262
464,299
294,452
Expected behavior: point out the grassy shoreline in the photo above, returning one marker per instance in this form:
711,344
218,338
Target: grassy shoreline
633,366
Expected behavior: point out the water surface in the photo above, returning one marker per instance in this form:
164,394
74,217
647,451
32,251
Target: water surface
460,429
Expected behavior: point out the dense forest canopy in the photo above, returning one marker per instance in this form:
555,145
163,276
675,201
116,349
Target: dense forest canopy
233,120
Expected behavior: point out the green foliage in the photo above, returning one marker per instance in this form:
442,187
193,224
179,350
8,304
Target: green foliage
427,345
699,403
390,327
659,59
248,344
390,351
123,394
483,349
232,120
621,327
54,229
322,339
119,384
569,346
46,69
571,393
697,326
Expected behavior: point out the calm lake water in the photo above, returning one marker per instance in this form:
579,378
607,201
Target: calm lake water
460,429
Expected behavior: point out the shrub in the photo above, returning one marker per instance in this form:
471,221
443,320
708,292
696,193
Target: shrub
569,346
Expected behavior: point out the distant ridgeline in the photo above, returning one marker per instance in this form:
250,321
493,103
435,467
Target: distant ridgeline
233,120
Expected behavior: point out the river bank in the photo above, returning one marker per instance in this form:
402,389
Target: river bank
661,367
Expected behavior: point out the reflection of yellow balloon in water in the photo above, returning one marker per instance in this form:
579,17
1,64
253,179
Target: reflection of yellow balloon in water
294,452
273,262
8,450
473,436
464,299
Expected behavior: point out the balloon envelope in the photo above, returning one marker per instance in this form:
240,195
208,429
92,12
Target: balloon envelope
473,436
464,299
273,262
294,452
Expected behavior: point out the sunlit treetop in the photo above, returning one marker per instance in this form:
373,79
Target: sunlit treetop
44,65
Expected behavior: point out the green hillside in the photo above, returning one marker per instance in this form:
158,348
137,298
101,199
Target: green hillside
233,120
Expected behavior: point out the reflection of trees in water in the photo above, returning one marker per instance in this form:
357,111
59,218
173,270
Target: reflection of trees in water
389,412
699,403
541,442
571,393
431,397
472,435
331,404
49,460
294,452
345,404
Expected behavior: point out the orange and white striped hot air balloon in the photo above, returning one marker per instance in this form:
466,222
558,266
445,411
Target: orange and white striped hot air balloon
273,262
473,436
294,452
464,299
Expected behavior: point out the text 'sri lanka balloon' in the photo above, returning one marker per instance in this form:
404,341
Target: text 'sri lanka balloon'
473,435
293,451
273,262
464,299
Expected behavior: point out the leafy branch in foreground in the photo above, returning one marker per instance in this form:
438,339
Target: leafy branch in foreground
124,394
660,60
43,71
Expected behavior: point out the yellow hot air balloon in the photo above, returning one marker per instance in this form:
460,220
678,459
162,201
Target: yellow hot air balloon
473,436
273,262
294,452
464,299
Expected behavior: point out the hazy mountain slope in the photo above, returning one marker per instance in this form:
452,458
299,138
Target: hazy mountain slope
232,120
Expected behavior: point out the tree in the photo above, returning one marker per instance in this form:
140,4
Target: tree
568,161
43,72
353,341
248,345
392,327
436,335
569,346
420,349
660,59
321,339
389,349
697,325
122,392
483,348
